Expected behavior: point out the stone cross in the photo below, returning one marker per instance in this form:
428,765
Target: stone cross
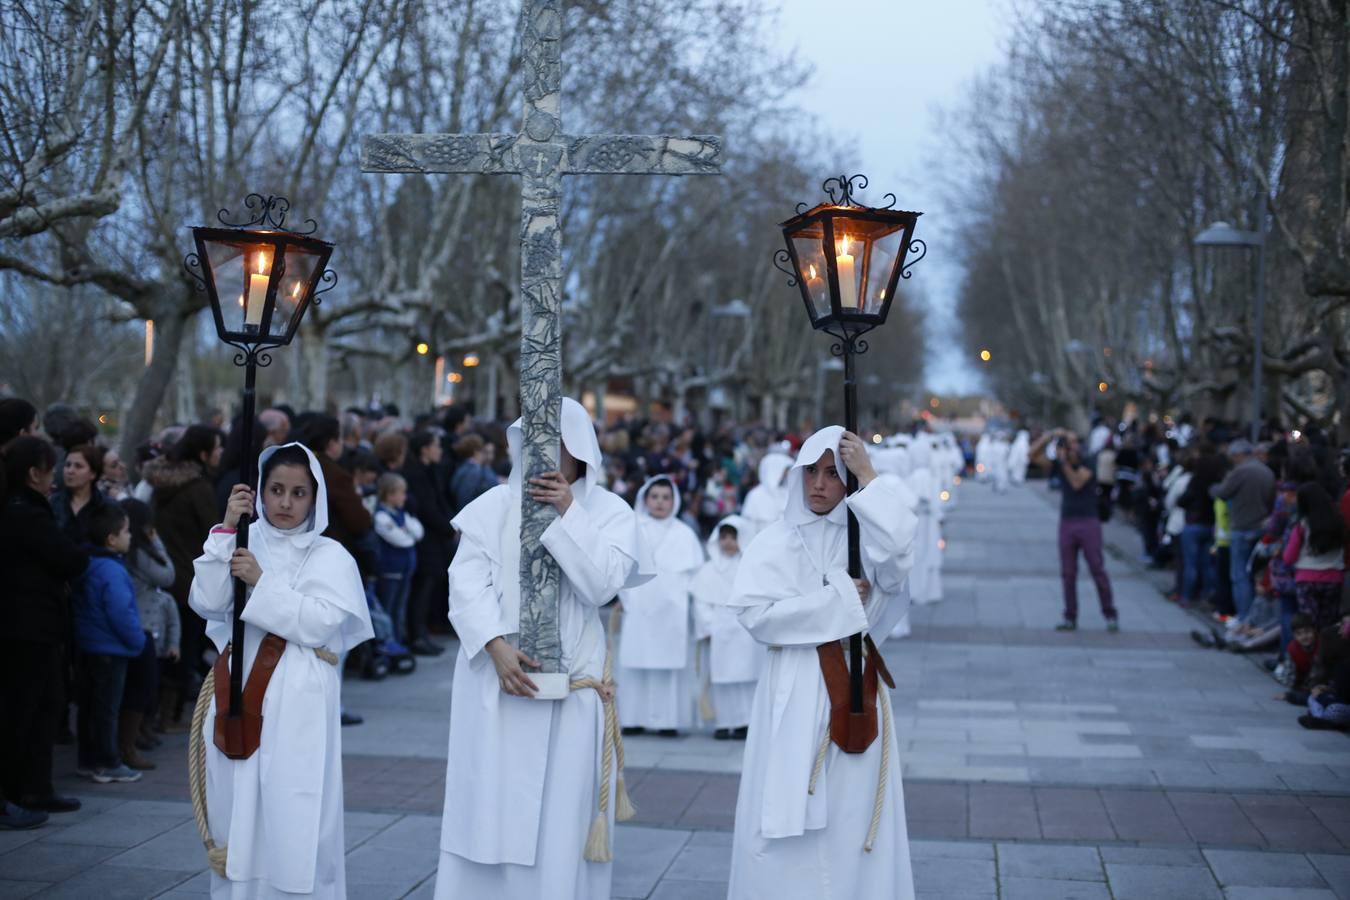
541,154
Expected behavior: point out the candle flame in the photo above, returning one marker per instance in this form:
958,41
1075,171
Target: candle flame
295,292
843,251
883,293
812,274
262,263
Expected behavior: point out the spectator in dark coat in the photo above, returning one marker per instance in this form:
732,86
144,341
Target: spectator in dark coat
426,501
18,418
1197,538
474,475
185,510
78,499
39,562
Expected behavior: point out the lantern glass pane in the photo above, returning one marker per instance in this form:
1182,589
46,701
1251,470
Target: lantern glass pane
241,271
813,275
882,256
293,289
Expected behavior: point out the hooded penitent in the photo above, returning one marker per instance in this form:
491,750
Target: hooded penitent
797,835
766,501
735,655
522,775
279,812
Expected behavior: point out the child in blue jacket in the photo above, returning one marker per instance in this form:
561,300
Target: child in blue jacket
108,636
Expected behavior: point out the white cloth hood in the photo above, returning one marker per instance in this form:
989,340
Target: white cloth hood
921,452
772,468
640,504
578,436
798,513
315,525
745,529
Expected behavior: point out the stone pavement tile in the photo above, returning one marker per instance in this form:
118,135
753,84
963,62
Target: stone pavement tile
12,890
176,850
701,863
1250,868
1251,893
414,832
950,850
198,885
673,889
1003,811
1060,774
51,861
714,806
1053,861
1142,882
1052,889
944,878
1214,819
936,810
1335,870
424,891
1151,856
642,856
10,840
953,770
120,828
1287,823
387,869
1073,814
1143,816
119,883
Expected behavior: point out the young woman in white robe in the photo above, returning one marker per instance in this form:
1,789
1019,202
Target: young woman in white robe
894,460
1019,457
523,775
794,838
764,504
734,658
278,813
925,582
656,684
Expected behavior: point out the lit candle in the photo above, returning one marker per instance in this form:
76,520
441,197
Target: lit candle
257,294
848,286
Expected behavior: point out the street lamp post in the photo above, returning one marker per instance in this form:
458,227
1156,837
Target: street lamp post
260,277
847,260
1221,234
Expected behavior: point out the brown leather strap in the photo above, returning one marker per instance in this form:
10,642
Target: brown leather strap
239,737
852,732
874,657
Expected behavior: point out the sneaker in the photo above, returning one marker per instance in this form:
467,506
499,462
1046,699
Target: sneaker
1113,625
1067,625
1202,640
51,804
121,774
84,771
16,818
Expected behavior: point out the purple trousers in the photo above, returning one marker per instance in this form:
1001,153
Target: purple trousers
1083,534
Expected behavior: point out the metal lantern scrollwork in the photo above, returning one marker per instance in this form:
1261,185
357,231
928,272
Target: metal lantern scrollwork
260,276
847,259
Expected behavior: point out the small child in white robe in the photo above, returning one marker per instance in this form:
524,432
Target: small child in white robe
734,658
655,687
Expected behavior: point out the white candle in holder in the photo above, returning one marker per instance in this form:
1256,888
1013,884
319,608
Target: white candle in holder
848,285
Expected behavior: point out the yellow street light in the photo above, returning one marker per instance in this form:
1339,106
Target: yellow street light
1102,386
454,378
470,360
986,355
423,348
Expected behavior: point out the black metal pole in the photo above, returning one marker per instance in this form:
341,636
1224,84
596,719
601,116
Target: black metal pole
855,643
247,475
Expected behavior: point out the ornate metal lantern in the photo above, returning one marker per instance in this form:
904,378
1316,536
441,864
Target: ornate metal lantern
846,259
259,276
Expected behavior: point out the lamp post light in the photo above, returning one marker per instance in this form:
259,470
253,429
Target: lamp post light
846,260
260,277
1221,234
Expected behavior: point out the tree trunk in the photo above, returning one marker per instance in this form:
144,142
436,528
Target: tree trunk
140,420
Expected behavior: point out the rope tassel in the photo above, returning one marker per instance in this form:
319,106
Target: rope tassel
216,857
598,845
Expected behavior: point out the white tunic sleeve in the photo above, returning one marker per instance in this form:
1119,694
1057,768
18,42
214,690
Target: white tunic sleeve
310,613
596,566
212,595
886,520
828,614
475,609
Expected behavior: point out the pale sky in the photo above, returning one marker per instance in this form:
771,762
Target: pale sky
882,70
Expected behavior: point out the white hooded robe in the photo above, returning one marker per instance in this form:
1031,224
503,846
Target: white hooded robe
795,593
926,579
523,775
655,640
735,658
764,504
279,812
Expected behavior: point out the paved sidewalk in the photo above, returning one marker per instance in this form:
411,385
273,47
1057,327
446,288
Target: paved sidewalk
1037,765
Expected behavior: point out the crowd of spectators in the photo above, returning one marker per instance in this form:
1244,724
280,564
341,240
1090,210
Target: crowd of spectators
1256,535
